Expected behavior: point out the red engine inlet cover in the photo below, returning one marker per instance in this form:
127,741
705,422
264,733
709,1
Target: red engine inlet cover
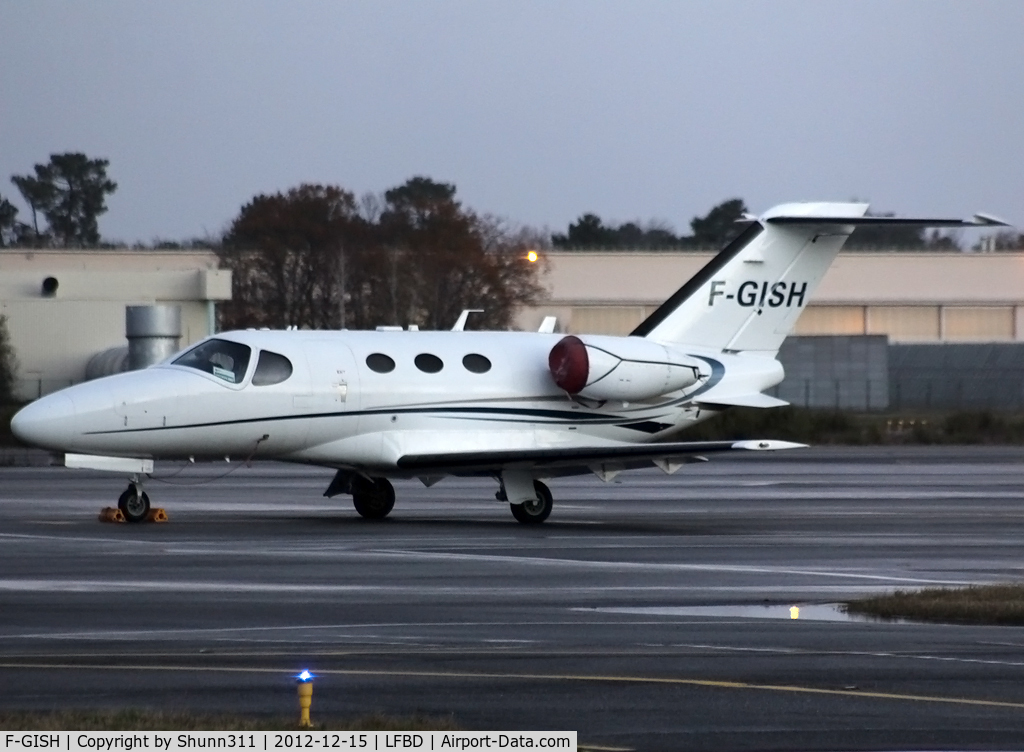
569,364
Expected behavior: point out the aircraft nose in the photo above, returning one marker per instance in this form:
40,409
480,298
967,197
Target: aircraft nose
47,422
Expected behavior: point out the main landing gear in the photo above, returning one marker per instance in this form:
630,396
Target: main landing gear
134,503
373,498
534,511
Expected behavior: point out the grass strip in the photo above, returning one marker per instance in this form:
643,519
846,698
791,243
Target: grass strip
975,604
159,720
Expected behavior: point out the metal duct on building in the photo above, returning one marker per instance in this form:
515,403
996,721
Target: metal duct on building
106,362
153,333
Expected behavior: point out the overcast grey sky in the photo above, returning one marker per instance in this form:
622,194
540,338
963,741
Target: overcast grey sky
537,111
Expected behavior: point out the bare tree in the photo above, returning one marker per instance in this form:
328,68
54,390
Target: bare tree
313,258
283,252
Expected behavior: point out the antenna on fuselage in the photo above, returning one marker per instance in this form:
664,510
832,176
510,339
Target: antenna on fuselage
460,325
547,326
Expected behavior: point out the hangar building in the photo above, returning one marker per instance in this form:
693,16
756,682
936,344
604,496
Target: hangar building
908,296
65,307
902,330
883,329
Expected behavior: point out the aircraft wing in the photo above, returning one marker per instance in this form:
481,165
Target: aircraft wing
579,460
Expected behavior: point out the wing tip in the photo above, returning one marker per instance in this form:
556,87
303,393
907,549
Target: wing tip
990,220
767,445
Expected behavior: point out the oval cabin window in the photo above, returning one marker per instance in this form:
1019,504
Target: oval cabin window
428,363
271,368
476,363
380,363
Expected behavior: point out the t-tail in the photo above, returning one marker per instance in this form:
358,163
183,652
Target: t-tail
749,296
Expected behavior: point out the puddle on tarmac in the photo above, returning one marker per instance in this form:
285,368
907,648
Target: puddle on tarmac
808,612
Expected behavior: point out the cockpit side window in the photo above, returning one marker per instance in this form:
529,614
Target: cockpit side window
224,359
271,368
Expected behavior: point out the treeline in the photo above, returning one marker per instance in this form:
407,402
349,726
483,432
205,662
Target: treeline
316,258
711,232
726,220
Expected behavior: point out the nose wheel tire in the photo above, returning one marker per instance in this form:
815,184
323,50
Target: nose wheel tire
373,499
134,504
536,511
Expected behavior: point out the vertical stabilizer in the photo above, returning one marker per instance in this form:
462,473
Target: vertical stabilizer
750,295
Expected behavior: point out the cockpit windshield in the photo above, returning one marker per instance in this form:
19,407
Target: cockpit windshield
224,359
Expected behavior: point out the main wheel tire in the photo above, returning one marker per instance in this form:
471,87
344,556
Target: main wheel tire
134,505
373,499
536,511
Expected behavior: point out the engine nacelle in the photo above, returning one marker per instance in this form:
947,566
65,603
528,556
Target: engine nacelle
619,368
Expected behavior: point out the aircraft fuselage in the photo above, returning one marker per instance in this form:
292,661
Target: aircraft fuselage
362,399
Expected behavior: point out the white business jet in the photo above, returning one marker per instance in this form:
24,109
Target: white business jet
516,406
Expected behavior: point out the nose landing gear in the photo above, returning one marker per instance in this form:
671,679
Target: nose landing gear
134,503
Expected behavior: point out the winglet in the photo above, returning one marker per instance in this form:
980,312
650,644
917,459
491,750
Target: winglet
989,220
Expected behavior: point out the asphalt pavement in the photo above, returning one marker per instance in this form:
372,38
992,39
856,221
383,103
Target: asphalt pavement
650,613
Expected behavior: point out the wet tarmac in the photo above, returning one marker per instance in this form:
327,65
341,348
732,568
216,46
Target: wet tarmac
653,612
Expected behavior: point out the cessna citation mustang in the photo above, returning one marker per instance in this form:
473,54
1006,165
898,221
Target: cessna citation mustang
517,406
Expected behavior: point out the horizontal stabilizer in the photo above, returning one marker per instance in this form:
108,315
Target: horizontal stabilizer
979,220
855,215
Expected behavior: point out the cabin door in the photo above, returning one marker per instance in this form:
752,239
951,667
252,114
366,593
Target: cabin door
332,402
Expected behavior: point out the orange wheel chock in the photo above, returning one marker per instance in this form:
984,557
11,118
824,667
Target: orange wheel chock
111,514
156,514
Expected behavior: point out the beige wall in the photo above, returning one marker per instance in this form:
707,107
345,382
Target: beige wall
55,336
911,297
905,323
607,319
